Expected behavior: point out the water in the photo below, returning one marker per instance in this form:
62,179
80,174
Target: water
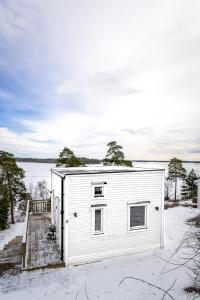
35,172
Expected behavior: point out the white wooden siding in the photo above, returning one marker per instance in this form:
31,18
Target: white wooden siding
121,189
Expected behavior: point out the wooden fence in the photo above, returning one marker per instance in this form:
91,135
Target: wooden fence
39,206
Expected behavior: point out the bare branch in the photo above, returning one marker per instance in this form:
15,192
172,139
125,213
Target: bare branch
167,291
151,284
86,292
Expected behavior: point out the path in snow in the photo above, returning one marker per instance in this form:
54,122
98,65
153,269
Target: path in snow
41,250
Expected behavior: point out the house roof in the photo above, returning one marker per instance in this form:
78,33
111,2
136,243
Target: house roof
99,170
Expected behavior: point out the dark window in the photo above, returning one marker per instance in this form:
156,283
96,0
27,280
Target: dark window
98,191
137,216
98,219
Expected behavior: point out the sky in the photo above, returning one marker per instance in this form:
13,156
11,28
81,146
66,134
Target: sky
83,73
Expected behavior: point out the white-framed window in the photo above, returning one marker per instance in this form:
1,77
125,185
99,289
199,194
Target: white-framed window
137,216
98,215
98,191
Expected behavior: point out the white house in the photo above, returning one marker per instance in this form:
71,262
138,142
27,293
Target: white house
107,211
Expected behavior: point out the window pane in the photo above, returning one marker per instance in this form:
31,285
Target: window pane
98,191
137,216
98,220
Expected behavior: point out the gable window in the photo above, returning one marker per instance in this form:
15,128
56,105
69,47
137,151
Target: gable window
98,220
137,215
98,191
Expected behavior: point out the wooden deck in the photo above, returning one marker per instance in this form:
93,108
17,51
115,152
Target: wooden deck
41,251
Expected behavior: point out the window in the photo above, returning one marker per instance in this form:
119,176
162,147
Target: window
137,217
98,191
98,221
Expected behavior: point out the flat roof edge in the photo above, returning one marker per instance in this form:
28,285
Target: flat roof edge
105,172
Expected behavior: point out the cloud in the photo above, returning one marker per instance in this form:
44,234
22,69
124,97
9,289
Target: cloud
143,131
195,150
20,143
114,83
124,71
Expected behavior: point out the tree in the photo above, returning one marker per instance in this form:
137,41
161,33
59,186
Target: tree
176,171
189,187
4,204
115,156
168,187
42,190
14,190
68,159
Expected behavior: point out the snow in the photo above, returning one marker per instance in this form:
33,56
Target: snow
101,279
8,234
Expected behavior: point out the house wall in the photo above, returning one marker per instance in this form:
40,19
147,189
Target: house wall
56,203
121,189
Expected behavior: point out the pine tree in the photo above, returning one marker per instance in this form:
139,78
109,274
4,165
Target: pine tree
68,159
4,203
14,191
115,156
189,187
176,171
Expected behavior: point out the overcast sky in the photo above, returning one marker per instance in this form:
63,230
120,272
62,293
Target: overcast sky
82,73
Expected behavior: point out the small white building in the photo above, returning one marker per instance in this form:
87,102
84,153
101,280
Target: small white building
101,212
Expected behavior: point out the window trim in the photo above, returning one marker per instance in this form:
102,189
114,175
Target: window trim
99,232
140,227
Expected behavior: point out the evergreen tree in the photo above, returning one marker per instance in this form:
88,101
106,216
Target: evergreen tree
68,159
115,156
176,171
14,191
4,204
189,187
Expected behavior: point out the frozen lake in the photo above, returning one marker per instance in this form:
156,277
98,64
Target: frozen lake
38,171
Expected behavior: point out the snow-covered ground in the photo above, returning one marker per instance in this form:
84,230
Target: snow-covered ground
8,234
100,280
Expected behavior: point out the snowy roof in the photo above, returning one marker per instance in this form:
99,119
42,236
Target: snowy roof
99,170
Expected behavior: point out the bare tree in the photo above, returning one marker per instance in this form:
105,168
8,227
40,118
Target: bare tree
168,188
41,190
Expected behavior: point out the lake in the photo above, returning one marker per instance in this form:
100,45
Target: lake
35,172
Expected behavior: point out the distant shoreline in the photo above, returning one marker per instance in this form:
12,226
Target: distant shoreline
92,160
